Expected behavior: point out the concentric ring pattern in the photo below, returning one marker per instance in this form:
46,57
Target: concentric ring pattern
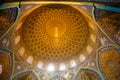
54,33
58,32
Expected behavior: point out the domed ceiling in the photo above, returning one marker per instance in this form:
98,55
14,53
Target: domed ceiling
54,33
59,42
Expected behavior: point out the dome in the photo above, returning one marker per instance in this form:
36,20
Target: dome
59,40
55,33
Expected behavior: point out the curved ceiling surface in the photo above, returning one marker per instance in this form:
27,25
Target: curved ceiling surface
55,33
59,42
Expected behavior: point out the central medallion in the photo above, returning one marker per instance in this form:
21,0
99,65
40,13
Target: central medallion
55,27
